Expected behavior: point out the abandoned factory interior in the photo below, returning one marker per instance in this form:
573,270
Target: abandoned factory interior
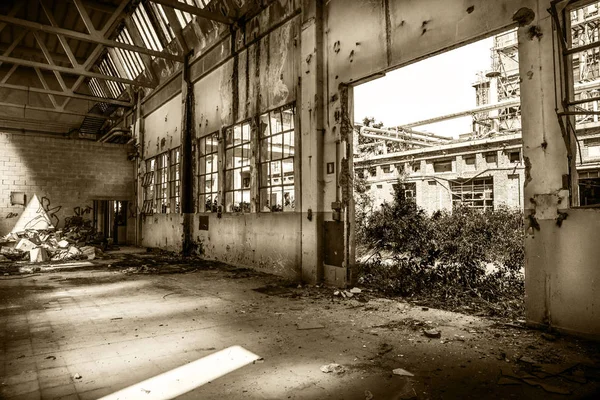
301,199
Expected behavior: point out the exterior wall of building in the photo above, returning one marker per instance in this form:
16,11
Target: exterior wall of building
434,189
66,175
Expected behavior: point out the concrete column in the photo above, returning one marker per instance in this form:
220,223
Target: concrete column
545,156
187,162
312,131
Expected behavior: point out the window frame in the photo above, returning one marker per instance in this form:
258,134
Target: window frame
230,171
161,182
268,189
174,178
203,156
458,190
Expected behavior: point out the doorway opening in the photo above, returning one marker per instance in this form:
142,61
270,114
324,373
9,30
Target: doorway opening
110,220
439,178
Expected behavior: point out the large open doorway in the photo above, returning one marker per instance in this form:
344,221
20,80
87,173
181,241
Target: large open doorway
110,220
439,175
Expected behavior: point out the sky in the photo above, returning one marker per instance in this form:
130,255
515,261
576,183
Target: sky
435,86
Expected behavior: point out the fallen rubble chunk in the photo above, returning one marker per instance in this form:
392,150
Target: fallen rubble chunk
25,245
336,293
432,333
355,290
527,360
76,376
348,294
402,372
63,244
38,254
548,387
335,368
309,325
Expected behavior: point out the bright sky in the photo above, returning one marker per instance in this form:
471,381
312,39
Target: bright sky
433,87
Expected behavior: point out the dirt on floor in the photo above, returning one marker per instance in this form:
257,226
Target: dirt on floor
315,342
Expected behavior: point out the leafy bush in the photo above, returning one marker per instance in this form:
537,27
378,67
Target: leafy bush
451,256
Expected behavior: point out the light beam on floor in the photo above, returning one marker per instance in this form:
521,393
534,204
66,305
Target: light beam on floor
188,377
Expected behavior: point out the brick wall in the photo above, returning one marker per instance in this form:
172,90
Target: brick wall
63,173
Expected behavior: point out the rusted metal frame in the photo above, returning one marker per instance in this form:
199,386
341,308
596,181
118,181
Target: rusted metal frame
66,94
48,57
45,85
200,12
61,38
137,40
97,38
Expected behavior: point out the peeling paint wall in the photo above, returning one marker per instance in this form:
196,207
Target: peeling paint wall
263,241
163,128
164,231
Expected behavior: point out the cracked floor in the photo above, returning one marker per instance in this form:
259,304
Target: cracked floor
87,333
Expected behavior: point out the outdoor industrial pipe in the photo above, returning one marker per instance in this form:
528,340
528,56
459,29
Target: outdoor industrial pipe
486,107
414,134
113,132
393,139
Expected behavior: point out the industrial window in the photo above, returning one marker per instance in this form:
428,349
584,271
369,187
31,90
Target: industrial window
277,149
416,166
144,26
131,61
360,172
442,166
161,19
237,168
408,190
475,193
148,185
208,173
491,157
514,157
161,183
386,169
175,181
372,171
184,17
469,160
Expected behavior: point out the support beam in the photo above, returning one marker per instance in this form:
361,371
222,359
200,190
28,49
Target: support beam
68,94
61,38
115,18
52,110
13,11
199,12
88,38
46,53
187,162
14,44
72,71
45,85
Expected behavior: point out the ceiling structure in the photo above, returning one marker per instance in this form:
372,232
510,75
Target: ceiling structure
72,66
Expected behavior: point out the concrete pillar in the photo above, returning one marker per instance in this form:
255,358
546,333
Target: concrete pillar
187,162
312,131
545,156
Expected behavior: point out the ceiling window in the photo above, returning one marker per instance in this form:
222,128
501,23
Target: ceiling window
144,26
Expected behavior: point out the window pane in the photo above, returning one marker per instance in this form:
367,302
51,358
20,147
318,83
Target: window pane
276,123
277,147
287,119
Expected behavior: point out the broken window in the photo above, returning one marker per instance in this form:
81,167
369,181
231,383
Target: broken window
161,183
475,193
442,166
208,173
237,167
408,190
416,166
174,181
277,149
148,185
386,168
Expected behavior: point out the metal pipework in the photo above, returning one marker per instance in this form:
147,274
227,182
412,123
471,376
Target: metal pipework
408,134
393,139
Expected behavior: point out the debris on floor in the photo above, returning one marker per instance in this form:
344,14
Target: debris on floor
309,325
78,240
402,372
432,333
335,368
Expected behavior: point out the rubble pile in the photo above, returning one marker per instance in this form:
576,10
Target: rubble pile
78,240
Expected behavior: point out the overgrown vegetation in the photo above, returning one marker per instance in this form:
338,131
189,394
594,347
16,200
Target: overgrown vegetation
465,259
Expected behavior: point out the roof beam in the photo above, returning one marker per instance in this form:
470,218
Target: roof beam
13,11
97,38
115,18
52,110
61,38
48,57
45,85
74,71
200,12
68,94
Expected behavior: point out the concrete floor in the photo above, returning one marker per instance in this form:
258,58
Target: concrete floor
114,329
